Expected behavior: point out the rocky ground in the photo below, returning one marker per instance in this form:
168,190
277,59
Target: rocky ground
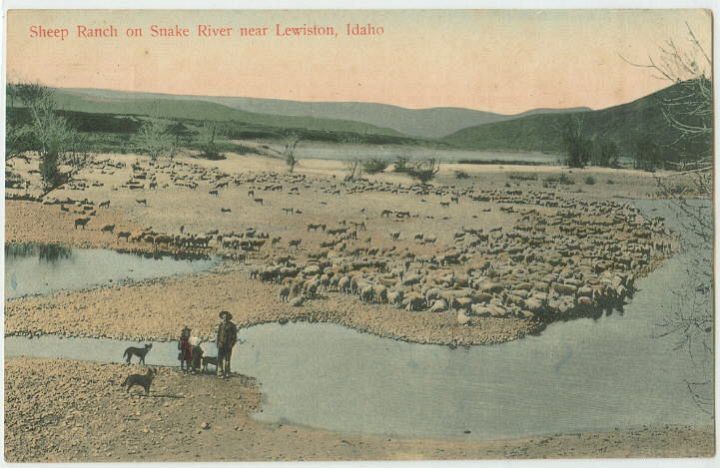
64,411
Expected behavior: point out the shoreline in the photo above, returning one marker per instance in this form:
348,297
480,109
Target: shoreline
69,410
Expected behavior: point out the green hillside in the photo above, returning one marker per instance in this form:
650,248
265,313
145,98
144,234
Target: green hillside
434,122
180,109
626,125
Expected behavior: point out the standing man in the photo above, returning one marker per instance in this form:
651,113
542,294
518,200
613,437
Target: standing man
226,339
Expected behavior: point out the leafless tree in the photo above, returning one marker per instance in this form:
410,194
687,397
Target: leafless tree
155,140
61,149
688,111
289,153
354,169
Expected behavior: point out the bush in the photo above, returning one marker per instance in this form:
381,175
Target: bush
610,182
424,171
589,180
210,152
461,175
401,164
562,179
374,165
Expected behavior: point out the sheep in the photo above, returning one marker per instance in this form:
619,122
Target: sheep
141,201
81,222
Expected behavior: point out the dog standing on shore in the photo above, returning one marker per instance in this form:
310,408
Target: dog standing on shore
139,352
144,380
209,360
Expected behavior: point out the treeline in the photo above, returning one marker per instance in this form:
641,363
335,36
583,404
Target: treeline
645,153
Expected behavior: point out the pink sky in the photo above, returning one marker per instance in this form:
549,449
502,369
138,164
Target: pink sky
503,61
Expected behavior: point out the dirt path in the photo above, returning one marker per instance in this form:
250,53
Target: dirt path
62,411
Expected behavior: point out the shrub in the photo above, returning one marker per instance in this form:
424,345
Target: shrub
589,180
401,164
461,175
374,165
562,179
610,182
424,171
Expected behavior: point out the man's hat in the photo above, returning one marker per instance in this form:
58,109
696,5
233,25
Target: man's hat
224,313
185,327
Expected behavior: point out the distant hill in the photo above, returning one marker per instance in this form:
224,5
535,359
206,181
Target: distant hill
169,107
421,123
625,124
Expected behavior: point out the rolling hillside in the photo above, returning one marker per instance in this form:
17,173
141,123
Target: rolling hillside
420,123
625,124
169,108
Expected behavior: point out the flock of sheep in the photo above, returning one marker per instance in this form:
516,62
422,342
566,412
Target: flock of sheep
561,257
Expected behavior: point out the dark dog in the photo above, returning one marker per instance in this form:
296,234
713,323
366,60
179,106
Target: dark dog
145,381
209,360
139,352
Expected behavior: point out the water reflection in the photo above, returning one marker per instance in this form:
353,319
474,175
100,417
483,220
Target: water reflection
44,268
49,253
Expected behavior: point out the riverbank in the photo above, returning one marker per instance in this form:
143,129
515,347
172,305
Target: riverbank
63,411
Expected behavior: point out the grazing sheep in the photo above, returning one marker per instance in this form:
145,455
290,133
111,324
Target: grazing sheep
108,228
81,222
141,201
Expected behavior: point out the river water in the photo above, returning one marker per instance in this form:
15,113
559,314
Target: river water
41,269
579,375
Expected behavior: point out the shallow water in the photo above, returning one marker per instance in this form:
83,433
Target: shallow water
580,375
41,269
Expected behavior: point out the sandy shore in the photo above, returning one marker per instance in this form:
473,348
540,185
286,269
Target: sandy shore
62,411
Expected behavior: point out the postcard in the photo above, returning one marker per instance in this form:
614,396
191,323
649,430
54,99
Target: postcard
335,235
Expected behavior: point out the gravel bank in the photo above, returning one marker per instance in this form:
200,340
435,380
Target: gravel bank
63,411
